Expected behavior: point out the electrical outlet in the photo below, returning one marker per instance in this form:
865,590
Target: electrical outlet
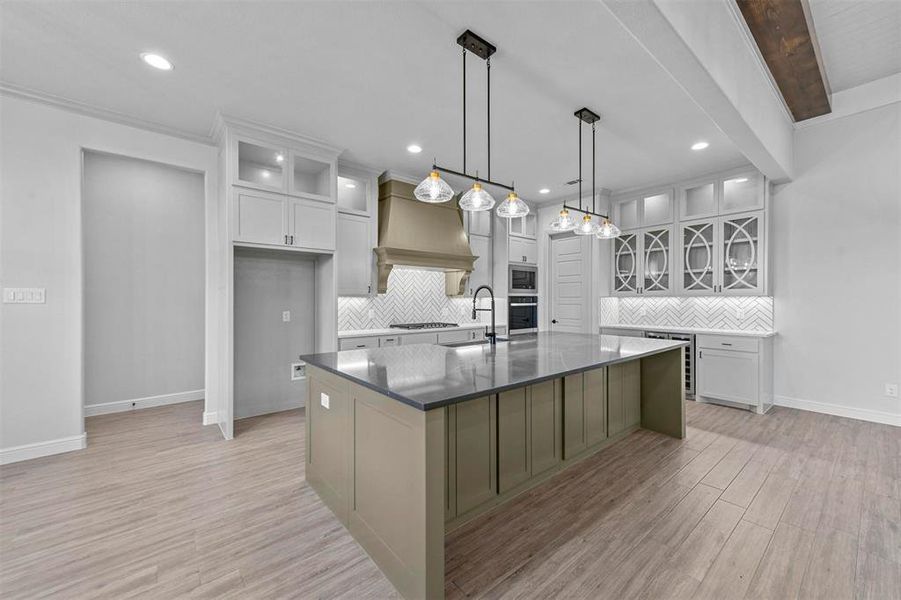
739,313
298,371
324,400
643,311
371,313
286,316
891,390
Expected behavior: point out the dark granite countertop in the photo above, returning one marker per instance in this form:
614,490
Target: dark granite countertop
428,376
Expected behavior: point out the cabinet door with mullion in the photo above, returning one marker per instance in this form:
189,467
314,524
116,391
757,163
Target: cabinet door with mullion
626,255
741,260
656,261
699,257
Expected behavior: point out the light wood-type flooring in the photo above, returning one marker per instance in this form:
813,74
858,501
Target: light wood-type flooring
786,505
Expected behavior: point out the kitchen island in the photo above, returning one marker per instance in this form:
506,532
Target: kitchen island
408,442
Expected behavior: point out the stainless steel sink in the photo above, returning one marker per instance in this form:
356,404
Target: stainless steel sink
472,343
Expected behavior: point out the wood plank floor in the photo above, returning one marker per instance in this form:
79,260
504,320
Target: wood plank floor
787,505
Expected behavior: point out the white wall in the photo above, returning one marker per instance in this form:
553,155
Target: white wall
40,246
837,268
143,242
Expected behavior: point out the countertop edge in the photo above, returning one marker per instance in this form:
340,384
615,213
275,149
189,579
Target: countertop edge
696,330
310,360
352,333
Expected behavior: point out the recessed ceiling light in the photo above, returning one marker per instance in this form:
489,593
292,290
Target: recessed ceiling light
544,191
699,145
156,61
414,149
350,186
739,180
279,158
266,174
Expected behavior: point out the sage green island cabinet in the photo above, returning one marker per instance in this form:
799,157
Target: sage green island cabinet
406,443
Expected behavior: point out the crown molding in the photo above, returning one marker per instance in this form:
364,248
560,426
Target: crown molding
396,176
359,167
223,121
74,106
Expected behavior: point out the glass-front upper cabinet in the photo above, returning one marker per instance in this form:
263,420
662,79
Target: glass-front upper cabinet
644,211
742,192
353,193
699,201
656,254
260,165
699,257
741,249
310,177
625,264
739,192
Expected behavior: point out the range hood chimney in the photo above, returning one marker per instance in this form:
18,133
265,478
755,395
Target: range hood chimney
419,234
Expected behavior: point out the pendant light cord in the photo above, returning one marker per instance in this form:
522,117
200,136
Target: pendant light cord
464,110
594,187
488,70
580,164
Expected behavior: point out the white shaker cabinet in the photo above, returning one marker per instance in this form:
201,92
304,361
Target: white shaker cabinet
311,224
735,370
354,255
523,250
260,218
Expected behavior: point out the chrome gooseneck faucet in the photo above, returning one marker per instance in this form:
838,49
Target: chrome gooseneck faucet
492,336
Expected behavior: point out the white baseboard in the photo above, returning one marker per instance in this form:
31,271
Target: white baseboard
39,449
210,417
861,414
91,410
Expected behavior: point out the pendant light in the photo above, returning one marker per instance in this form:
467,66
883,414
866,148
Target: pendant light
608,231
563,222
512,207
477,198
433,189
604,229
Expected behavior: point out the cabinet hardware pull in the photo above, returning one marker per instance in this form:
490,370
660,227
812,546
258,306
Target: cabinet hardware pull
725,344
700,354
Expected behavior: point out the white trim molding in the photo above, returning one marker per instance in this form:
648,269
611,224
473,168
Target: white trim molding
210,417
39,449
861,414
91,410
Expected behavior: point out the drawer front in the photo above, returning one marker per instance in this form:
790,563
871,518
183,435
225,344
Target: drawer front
446,337
728,342
419,338
358,342
389,340
728,375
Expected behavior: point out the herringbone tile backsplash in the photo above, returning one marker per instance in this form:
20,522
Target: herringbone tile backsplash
414,296
708,312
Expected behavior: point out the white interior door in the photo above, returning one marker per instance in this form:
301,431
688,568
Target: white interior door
570,280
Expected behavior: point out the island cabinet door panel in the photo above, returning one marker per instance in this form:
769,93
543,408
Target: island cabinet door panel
476,457
594,392
513,456
546,427
623,396
328,454
574,440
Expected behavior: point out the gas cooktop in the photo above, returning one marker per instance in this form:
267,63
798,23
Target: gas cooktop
430,325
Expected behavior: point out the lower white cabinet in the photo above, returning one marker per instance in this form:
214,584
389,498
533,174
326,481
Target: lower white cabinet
460,335
354,255
735,370
358,342
419,338
389,340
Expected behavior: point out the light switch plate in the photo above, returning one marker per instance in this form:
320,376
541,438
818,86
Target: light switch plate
286,316
891,390
298,371
324,400
24,295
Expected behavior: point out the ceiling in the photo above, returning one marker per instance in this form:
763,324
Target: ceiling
860,41
373,77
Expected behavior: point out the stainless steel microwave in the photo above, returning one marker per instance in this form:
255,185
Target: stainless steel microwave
523,280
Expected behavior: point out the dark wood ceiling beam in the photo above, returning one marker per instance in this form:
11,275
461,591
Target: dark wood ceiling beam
785,39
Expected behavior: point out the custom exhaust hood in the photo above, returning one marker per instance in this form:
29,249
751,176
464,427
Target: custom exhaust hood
423,235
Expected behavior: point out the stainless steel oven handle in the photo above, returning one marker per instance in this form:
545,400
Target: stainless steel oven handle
523,304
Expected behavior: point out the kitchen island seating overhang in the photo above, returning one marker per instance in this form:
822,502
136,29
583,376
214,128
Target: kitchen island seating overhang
408,442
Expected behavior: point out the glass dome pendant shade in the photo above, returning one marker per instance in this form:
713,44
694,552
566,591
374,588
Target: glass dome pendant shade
564,222
608,231
433,189
586,227
476,199
512,207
